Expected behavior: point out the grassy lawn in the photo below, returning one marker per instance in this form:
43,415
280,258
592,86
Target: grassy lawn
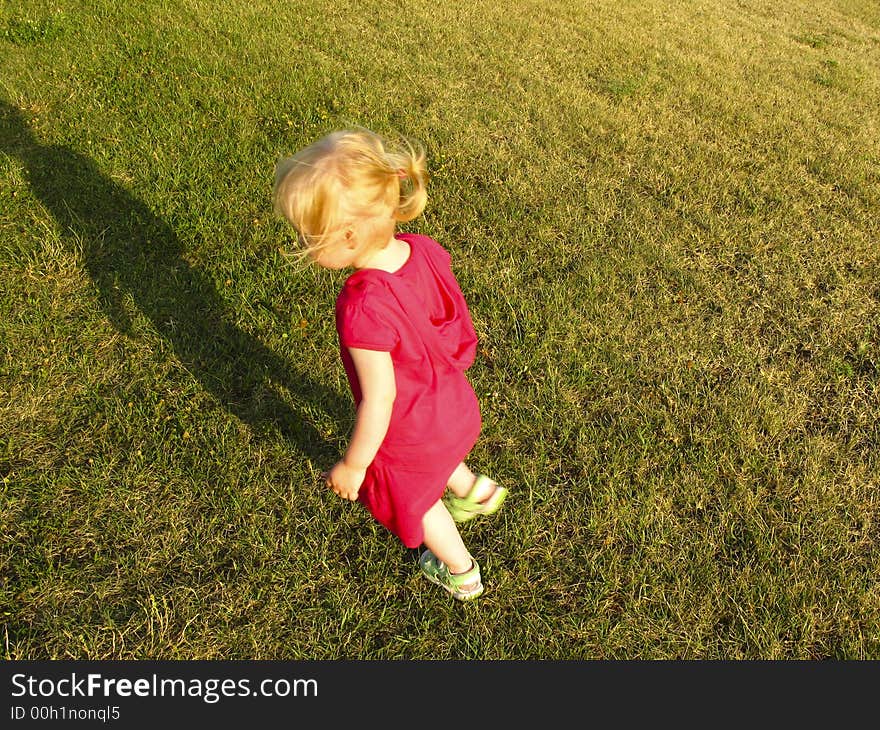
664,216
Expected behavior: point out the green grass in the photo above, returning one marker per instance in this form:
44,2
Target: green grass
664,217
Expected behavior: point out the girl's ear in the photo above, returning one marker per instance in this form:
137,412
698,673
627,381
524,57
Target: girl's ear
350,240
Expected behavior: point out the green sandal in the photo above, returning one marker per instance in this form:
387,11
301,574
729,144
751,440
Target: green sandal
463,509
463,586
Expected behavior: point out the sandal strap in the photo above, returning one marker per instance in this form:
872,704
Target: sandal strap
478,482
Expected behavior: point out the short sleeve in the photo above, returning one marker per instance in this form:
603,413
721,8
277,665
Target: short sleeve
365,318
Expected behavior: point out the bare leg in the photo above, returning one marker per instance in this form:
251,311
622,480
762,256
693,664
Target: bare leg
462,481
442,539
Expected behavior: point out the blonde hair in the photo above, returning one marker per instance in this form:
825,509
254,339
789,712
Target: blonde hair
345,177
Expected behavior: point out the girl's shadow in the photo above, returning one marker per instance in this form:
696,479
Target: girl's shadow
133,256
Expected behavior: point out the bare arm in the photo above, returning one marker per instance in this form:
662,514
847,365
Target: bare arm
375,373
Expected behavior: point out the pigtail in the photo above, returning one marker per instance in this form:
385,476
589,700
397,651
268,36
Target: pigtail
409,162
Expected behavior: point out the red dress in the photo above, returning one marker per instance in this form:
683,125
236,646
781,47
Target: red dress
419,315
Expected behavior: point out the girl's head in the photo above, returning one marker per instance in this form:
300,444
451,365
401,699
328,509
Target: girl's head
346,192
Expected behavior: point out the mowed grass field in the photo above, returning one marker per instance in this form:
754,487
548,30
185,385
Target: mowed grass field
664,216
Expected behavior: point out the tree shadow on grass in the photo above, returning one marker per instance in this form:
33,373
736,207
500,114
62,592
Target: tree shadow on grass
129,251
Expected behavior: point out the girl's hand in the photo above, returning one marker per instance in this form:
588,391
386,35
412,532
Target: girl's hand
345,480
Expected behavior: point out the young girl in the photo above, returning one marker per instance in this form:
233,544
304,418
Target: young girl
406,339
